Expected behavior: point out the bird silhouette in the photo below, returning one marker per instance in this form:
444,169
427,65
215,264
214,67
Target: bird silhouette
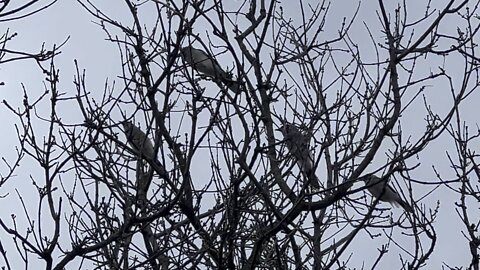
298,146
138,140
207,65
379,188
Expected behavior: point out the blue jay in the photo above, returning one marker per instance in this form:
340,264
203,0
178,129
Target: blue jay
379,188
207,65
298,145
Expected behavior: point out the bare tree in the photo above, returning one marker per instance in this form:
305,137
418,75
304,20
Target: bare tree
222,188
15,11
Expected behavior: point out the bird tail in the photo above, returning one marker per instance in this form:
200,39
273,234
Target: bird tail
404,205
313,179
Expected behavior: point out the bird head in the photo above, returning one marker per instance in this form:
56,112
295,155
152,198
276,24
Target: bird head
128,128
370,179
186,53
285,128
127,125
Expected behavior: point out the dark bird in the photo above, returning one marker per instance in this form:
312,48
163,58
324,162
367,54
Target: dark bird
298,145
379,188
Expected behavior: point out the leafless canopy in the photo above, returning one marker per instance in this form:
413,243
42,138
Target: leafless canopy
223,190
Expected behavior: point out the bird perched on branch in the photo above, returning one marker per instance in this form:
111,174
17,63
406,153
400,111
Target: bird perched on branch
207,65
379,188
298,145
138,140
